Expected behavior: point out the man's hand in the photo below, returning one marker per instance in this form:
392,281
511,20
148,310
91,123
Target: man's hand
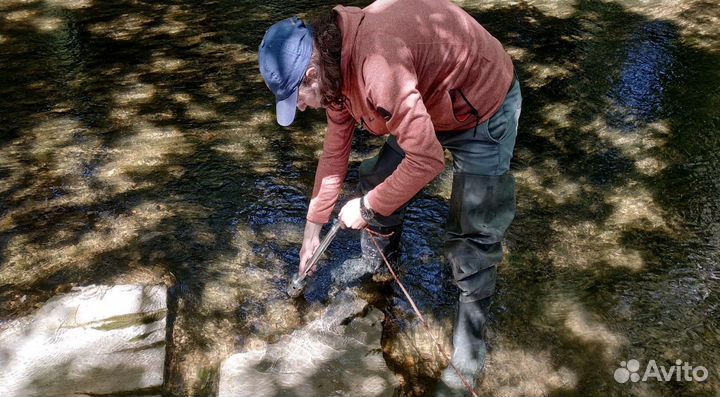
350,215
311,240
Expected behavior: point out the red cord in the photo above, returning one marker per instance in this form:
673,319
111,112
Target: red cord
372,235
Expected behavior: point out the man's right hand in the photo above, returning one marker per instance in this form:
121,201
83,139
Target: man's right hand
311,240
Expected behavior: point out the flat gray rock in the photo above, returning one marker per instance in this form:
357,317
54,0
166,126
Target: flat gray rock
336,355
93,340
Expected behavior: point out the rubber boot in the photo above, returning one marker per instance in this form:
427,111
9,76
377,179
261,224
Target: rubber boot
371,262
469,350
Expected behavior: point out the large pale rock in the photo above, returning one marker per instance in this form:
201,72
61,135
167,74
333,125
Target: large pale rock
93,340
336,355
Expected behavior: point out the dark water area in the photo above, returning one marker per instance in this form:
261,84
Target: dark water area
138,145
646,72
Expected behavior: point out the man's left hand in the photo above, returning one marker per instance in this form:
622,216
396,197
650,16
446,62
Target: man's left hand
350,215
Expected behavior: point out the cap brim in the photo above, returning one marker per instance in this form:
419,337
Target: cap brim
286,109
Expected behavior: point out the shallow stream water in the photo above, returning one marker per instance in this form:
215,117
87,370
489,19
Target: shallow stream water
138,145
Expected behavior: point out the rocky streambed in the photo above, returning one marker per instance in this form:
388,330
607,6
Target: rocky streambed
111,340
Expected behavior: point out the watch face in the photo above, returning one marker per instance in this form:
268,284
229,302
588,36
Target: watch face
366,214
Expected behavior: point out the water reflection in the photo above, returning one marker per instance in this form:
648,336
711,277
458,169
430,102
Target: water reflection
640,90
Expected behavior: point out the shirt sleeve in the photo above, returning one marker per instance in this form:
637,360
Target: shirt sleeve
332,165
392,88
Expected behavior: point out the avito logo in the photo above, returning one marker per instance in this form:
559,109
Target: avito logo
681,372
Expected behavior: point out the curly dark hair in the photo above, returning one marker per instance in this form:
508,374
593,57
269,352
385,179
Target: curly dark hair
327,39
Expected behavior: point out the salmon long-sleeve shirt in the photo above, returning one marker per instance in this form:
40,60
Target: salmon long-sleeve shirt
406,65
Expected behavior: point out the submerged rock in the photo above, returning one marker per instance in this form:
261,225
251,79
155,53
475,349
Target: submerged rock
336,355
93,340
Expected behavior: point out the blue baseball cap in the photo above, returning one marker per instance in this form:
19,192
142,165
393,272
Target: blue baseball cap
284,56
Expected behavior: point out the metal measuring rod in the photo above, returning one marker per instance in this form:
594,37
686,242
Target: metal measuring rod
298,282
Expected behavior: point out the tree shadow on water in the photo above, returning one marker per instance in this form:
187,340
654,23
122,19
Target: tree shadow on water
592,277
126,163
139,145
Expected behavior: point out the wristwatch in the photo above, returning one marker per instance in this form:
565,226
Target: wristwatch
366,213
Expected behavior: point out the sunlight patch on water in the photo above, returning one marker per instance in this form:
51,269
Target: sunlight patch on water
557,8
53,135
181,97
28,261
559,114
125,27
241,54
149,147
518,54
163,64
168,27
175,20
257,143
217,93
253,145
641,145
524,372
60,149
20,15
562,189
135,94
584,326
198,112
538,75
650,166
635,206
699,21
585,245
47,23
10,4
69,4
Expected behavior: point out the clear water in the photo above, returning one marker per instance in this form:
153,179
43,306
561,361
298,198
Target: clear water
138,144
